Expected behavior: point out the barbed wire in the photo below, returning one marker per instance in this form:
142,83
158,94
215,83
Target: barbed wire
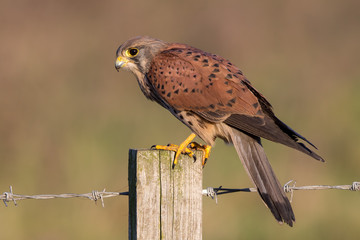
214,192
210,192
93,195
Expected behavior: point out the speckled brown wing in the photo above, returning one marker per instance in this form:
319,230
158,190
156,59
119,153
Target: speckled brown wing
190,79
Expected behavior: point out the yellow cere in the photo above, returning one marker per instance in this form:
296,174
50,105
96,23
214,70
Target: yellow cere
121,61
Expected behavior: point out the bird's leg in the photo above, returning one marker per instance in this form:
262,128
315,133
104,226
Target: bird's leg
204,148
182,148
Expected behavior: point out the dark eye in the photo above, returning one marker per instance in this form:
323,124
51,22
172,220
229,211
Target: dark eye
132,52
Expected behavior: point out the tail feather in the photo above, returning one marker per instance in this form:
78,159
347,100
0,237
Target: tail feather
256,164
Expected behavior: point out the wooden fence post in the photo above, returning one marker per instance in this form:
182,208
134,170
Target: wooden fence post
164,203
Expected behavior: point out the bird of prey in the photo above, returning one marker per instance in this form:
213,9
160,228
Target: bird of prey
214,99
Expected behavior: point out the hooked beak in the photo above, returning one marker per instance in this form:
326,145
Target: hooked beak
120,62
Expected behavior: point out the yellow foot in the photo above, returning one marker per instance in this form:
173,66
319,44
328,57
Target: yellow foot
181,149
204,148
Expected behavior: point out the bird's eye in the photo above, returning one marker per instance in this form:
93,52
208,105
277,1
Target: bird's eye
132,52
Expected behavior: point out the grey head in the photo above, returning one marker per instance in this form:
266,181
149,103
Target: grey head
137,53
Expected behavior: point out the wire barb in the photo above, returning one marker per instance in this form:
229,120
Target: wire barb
211,192
289,189
355,186
95,195
9,197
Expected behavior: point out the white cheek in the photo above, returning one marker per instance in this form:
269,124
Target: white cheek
133,68
130,66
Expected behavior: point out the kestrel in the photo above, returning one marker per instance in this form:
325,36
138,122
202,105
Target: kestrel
214,99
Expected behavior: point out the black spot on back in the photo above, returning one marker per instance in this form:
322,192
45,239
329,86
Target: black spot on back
229,76
212,75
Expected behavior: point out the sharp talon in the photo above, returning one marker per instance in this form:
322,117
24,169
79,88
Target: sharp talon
153,147
205,162
204,148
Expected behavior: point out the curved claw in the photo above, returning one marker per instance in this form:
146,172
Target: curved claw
204,148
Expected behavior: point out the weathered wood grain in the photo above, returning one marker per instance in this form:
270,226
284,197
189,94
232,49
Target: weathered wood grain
164,203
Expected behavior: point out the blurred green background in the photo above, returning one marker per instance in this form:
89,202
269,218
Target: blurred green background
67,118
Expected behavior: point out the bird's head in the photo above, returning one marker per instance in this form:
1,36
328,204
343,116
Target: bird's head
137,53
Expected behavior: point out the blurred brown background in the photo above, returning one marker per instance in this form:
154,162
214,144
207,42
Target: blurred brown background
67,118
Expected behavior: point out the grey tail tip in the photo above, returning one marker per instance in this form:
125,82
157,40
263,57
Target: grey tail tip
289,222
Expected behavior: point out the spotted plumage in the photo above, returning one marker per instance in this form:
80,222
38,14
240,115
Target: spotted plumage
214,99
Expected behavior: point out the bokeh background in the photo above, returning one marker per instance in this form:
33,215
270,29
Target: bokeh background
67,118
